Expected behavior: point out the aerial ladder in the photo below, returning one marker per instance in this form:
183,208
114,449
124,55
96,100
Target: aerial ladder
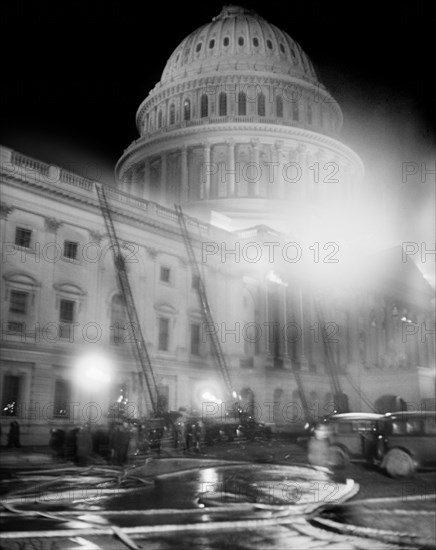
125,288
207,314
332,370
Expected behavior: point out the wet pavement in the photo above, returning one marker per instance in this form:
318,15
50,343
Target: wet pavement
203,502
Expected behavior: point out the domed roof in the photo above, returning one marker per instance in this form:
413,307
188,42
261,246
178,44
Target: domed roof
238,40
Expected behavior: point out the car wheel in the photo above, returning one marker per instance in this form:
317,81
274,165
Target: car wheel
337,457
399,464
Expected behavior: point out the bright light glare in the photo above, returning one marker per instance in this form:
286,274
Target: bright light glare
208,396
273,278
94,368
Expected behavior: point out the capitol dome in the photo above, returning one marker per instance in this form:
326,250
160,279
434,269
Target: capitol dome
238,40
237,116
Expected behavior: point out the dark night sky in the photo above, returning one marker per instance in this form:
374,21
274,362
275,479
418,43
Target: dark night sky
72,87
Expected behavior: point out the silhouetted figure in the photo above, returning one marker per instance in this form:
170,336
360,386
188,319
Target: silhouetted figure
71,444
14,434
84,445
119,444
57,442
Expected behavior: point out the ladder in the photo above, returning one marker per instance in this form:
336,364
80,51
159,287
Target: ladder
126,290
332,370
207,315
302,394
330,361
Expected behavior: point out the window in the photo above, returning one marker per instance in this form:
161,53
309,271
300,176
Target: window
18,302
222,101
164,326
241,41
198,47
187,110
165,274
242,104
279,107
62,399
66,317
204,107
282,48
255,42
195,339
309,114
11,395
295,111
159,120
22,237
226,41
118,320
66,311
70,250
269,44
172,114
261,105
211,43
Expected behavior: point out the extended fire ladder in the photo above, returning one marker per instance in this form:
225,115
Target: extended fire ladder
332,369
207,315
124,285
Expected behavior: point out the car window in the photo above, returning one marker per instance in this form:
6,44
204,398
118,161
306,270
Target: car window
413,427
399,428
364,426
430,426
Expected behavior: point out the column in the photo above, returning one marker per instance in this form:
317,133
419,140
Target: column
255,160
206,173
147,178
277,180
302,181
231,169
303,360
163,177
184,170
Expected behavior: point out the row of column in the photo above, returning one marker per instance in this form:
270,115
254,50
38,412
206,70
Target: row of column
304,176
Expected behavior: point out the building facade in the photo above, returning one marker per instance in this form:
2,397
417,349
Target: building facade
239,132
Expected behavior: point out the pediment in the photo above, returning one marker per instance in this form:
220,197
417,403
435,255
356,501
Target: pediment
69,288
21,278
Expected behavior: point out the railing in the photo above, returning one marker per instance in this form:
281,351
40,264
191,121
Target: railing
30,164
55,175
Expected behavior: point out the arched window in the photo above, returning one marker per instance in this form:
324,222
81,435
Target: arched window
261,105
242,103
118,328
159,120
279,106
295,111
187,110
222,104
172,114
204,107
309,114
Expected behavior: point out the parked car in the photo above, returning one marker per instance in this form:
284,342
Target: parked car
406,442
345,437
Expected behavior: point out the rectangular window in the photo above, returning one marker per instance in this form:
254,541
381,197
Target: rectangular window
66,311
165,274
18,302
23,237
195,339
11,395
70,250
164,327
66,317
62,399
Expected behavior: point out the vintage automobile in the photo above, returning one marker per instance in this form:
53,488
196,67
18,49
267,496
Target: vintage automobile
341,438
406,442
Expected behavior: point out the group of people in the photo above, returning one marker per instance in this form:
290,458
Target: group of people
188,432
81,444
